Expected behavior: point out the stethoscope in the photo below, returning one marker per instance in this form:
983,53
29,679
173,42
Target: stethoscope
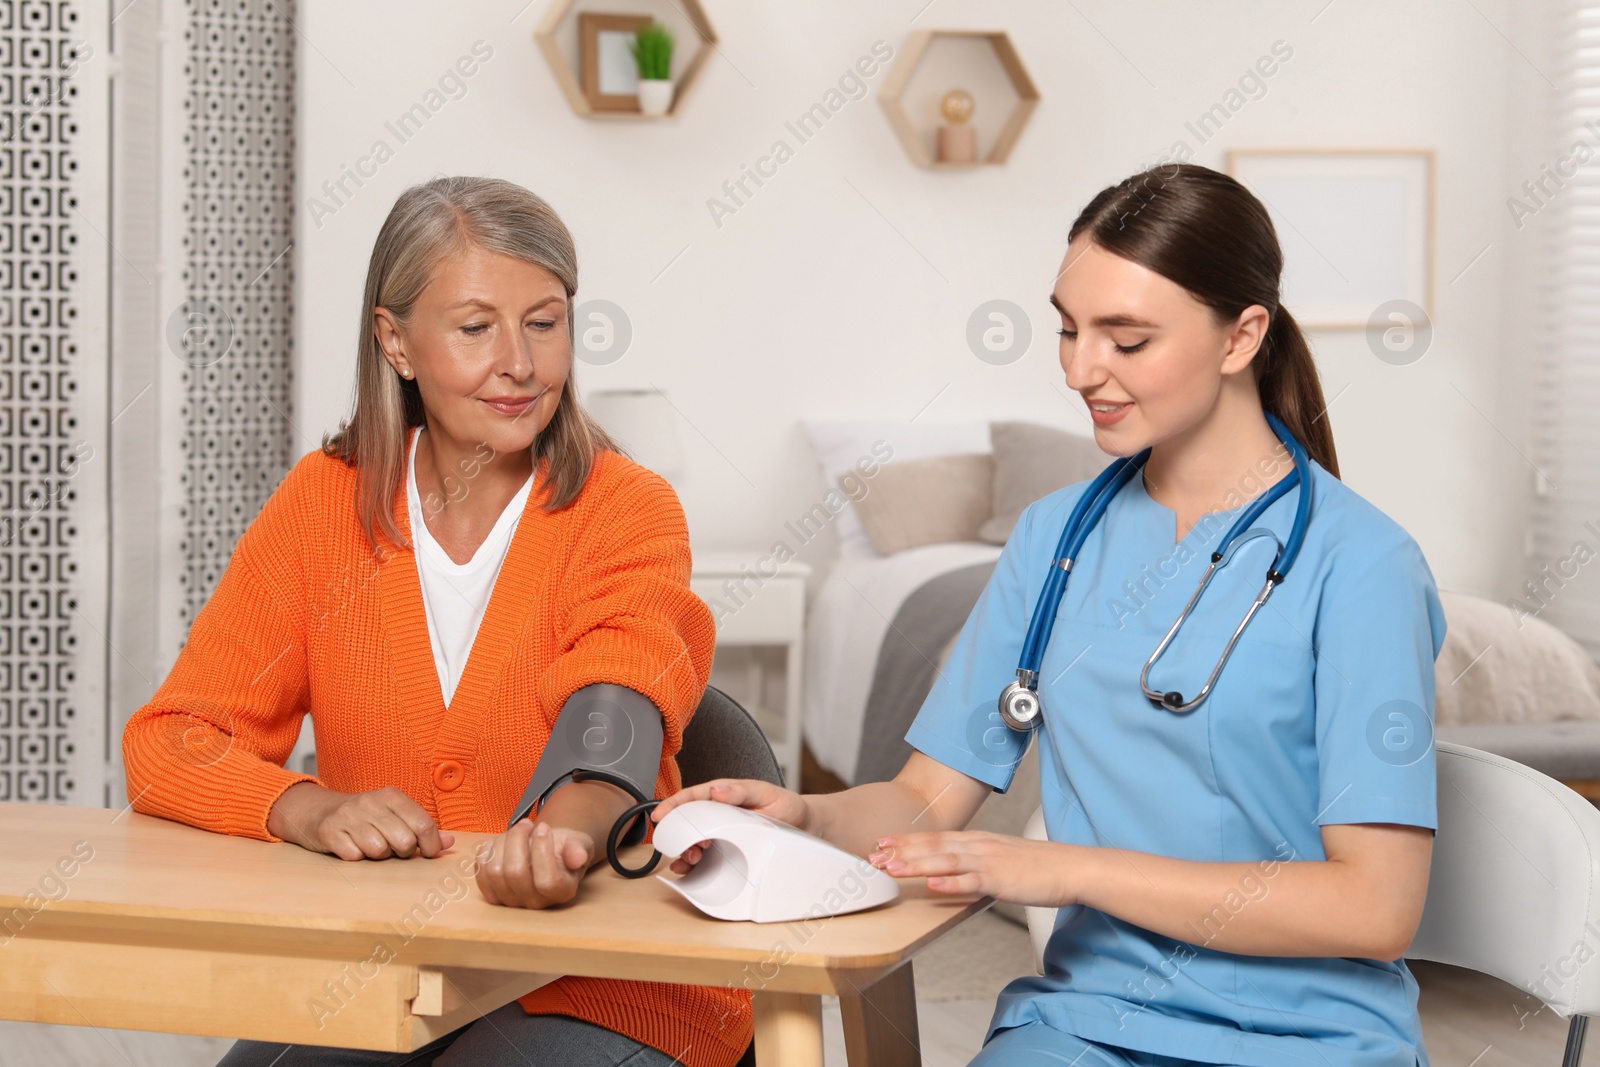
1019,701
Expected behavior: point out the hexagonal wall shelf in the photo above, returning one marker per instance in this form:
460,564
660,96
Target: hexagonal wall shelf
900,95
556,35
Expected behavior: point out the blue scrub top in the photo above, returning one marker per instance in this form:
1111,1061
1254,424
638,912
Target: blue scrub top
1323,715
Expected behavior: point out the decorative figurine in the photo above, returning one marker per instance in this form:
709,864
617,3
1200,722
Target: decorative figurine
958,140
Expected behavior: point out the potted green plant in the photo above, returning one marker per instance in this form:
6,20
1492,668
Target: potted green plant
652,51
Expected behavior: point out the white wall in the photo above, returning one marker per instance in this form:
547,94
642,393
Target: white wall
842,287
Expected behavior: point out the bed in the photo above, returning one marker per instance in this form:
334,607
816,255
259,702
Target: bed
875,631
930,506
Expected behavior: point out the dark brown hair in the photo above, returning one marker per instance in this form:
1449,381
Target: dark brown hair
1207,233
427,223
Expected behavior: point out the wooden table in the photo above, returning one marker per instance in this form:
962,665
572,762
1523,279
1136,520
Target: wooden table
119,920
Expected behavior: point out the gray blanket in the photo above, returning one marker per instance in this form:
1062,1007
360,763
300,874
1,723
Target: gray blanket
926,622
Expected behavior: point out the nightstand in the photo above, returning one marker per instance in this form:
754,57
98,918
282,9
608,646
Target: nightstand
759,607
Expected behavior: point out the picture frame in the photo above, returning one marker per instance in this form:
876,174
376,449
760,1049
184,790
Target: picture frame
1356,227
606,65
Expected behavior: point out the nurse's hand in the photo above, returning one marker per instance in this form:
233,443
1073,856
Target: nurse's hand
1015,869
534,865
770,800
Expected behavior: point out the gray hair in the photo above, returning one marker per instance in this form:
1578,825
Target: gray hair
427,223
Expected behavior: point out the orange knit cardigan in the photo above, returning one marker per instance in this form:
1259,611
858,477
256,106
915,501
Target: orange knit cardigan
306,618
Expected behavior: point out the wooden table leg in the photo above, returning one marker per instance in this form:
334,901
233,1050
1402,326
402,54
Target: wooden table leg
788,1029
880,1022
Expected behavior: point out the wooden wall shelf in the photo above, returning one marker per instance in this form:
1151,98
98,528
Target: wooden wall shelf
572,86
915,140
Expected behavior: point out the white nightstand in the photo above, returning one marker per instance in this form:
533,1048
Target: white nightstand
759,606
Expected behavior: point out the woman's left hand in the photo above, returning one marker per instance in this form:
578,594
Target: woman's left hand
535,865
1015,869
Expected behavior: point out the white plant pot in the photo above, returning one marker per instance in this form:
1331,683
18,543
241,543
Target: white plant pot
655,96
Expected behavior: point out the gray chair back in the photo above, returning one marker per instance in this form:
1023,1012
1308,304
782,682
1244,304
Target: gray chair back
723,741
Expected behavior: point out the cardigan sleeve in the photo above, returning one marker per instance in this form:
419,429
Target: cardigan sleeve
209,748
630,617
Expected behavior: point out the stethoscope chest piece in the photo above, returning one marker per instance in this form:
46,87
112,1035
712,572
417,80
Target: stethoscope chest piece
1019,707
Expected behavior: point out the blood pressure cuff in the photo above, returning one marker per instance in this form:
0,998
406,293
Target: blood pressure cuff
601,727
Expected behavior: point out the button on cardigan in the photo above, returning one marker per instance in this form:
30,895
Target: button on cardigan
307,618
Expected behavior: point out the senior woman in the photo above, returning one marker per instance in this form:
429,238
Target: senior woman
431,586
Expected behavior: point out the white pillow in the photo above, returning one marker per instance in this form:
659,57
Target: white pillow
840,445
1497,666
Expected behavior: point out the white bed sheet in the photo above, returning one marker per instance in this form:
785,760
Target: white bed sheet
849,615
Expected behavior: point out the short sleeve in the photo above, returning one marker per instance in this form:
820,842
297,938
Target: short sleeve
1379,630
959,721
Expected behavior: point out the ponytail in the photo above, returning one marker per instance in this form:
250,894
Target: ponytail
1290,389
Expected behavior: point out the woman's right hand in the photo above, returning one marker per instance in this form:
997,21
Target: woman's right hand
770,800
353,826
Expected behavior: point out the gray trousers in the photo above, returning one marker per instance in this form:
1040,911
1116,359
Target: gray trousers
506,1037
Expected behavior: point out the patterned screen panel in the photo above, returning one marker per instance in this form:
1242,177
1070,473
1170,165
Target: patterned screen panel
41,439
238,221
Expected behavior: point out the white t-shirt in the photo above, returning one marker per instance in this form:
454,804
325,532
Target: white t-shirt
455,595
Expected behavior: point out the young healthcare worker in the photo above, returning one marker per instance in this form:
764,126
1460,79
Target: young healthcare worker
1238,876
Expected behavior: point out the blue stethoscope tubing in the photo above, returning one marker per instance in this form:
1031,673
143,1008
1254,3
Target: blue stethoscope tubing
1019,701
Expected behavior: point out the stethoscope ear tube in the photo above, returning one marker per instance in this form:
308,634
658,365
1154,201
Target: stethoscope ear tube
1240,533
1173,701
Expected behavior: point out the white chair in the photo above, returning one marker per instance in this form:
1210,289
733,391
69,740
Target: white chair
1514,889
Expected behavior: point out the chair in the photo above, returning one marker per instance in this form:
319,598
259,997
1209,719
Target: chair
1514,889
723,741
